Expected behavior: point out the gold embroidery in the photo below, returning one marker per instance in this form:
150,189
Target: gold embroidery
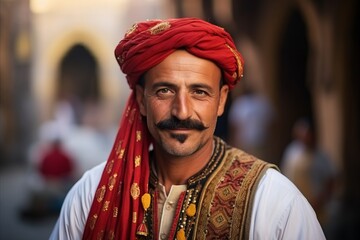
122,151
127,111
134,217
226,193
112,181
115,211
111,235
236,171
131,30
138,136
137,160
135,191
93,221
118,147
122,57
100,193
159,28
100,235
132,115
234,76
219,219
105,206
240,67
109,166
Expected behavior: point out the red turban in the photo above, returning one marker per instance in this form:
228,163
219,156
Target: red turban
148,43
116,212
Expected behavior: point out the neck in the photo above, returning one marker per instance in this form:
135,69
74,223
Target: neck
174,170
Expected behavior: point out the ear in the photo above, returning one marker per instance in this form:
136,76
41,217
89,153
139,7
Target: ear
224,91
139,93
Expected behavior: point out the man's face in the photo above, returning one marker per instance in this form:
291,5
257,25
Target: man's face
181,100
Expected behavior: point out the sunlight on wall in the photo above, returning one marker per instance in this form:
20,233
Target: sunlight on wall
96,24
43,6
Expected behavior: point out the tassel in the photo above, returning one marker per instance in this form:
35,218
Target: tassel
142,229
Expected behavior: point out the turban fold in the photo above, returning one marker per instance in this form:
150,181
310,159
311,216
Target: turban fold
116,211
148,43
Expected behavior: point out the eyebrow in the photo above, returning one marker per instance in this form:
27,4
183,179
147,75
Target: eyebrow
163,84
201,85
171,85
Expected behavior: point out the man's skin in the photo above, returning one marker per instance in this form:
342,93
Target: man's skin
181,100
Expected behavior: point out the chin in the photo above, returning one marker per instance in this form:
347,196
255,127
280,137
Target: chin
179,147
176,152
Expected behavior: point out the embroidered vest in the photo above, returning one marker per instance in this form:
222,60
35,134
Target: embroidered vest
223,194
226,202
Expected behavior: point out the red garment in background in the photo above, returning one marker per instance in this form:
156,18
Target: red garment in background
56,164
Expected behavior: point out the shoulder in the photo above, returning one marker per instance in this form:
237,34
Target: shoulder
77,205
85,188
281,211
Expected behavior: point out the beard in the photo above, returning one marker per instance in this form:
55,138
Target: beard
181,138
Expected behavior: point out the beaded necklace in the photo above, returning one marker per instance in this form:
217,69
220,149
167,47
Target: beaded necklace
186,215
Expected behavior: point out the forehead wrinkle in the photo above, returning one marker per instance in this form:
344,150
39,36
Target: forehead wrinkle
194,71
184,66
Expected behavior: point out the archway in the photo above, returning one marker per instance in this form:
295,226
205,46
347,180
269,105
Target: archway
294,95
78,80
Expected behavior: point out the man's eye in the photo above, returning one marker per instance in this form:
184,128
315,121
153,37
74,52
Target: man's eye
200,92
163,91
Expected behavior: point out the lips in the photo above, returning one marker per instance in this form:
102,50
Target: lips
180,130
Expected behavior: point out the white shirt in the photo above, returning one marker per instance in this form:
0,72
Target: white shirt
279,211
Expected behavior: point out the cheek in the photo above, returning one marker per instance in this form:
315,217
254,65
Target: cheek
207,114
157,111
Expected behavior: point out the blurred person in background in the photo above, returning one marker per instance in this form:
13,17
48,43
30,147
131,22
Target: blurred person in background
56,175
64,150
168,176
91,140
250,119
310,168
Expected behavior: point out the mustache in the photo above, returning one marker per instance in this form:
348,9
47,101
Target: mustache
174,123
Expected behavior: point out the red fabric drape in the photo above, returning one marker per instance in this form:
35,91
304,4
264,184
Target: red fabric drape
116,208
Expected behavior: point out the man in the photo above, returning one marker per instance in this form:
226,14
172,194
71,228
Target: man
250,118
191,185
310,169
54,177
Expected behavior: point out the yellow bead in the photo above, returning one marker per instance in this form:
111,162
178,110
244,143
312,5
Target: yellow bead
191,210
146,200
180,235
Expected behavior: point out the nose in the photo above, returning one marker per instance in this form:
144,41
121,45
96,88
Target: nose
181,107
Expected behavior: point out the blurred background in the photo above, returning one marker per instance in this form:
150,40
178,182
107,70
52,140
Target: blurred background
62,95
